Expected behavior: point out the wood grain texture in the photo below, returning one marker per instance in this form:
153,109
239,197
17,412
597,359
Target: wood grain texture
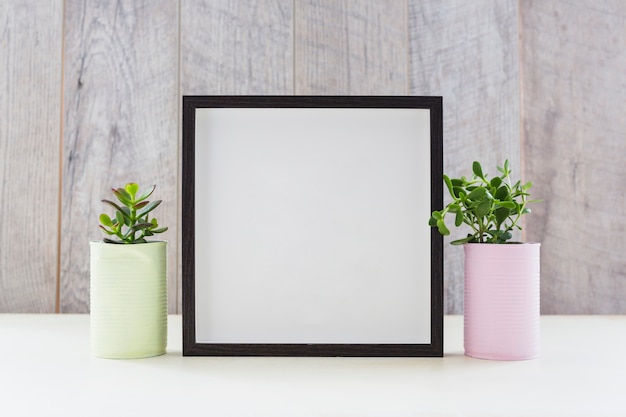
120,116
574,88
236,47
118,102
351,47
467,52
30,94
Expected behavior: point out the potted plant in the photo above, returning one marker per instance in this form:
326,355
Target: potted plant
128,282
501,300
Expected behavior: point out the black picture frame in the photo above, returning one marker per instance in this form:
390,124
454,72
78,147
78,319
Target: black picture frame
195,107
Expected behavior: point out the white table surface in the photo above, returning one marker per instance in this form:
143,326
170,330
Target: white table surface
46,369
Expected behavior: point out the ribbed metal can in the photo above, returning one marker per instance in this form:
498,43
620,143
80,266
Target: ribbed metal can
502,301
128,299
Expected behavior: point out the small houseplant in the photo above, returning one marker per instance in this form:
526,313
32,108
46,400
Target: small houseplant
128,283
501,300
492,208
131,222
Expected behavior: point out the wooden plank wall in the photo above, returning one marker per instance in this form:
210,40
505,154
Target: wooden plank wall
120,125
467,52
31,39
351,47
106,80
574,71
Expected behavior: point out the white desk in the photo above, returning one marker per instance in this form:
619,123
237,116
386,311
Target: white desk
46,370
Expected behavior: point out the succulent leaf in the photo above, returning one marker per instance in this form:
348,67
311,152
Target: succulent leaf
441,226
146,194
477,169
123,196
106,220
149,208
132,189
140,205
458,218
140,226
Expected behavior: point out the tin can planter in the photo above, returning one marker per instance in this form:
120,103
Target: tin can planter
501,311
128,299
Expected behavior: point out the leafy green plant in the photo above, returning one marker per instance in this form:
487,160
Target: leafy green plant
131,222
492,208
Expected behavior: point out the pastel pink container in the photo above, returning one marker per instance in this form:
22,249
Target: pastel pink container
501,311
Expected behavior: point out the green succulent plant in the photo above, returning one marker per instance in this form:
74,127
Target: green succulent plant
492,208
130,222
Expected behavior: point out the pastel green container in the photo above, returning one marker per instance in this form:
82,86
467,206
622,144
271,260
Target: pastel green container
128,297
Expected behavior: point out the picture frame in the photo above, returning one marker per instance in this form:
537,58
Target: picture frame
305,226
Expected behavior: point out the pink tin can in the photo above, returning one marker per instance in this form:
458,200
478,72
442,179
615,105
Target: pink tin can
501,311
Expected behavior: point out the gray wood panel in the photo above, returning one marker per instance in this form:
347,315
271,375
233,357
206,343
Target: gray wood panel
351,47
467,52
30,96
574,88
236,47
121,108
114,103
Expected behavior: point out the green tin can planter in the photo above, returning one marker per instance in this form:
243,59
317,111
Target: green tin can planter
128,299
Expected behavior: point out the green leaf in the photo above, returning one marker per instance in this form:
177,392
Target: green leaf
506,204
106,220
441,226
132,189
479,193
140,205
527,186
123,196
501,213
477,169
130,235
500,236
437,215
107,240
505,170
457,182
483,208
120,217
496,182
502,193
108,232
458,219
432,222
159,230
124,210
140,226
149,208
146,194
448,183
526,210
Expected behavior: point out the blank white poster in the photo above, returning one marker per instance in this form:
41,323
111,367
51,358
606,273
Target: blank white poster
311,225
